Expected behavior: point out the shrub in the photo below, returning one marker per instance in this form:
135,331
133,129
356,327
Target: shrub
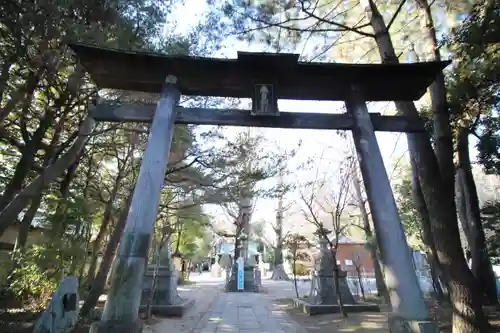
31,279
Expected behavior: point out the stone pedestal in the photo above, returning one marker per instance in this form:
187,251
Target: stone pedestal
323,297
345,292
402,325
249,284
166,300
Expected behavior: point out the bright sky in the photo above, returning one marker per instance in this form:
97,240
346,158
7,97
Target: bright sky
314,143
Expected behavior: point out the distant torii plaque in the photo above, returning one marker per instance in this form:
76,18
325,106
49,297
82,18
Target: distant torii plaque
264,102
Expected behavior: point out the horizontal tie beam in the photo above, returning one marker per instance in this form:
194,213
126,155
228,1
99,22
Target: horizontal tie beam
143,113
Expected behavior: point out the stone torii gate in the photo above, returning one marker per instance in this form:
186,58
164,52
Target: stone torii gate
265,78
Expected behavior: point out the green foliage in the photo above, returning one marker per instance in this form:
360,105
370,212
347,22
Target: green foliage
269,256
472,84
491,224
406,207
36,277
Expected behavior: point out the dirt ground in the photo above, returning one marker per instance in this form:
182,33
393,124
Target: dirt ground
18,321
371,322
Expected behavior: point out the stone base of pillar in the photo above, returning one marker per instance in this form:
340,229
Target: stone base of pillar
166,301
345,292
325,292
402,325
116,326
313,309
174,310
249,284
323,297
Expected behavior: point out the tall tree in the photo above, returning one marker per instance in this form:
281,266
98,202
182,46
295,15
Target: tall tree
473,97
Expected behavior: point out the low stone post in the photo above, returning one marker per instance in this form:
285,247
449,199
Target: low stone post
61,315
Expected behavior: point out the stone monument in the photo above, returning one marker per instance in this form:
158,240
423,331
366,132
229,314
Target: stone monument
166,300
61,315
323,296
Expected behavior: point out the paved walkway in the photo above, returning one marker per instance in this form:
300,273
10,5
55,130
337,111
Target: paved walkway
218,312
246,313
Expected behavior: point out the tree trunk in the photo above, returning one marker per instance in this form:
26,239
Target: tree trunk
443,139
468,315
9,214
372,245
237,247
103,228
26,162
24,228
278,230
360,281
294,272
98,283
278,255
5,73
436,282
23,93
425,223
480,261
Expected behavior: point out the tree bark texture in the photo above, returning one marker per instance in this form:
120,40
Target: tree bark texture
379,278
443,139
27,160
106,219
421,208
99,281
470,217
468,316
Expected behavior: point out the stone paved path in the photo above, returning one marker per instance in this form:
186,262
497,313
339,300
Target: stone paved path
204,293
246,313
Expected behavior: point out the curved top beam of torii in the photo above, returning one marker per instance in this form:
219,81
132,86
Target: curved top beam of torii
141,71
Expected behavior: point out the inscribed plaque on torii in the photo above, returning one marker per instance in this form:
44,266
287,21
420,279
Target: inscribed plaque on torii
264,101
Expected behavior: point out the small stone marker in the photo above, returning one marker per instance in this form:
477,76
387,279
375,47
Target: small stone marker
62,313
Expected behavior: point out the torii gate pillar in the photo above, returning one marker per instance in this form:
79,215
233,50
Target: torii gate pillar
409,313
121,310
